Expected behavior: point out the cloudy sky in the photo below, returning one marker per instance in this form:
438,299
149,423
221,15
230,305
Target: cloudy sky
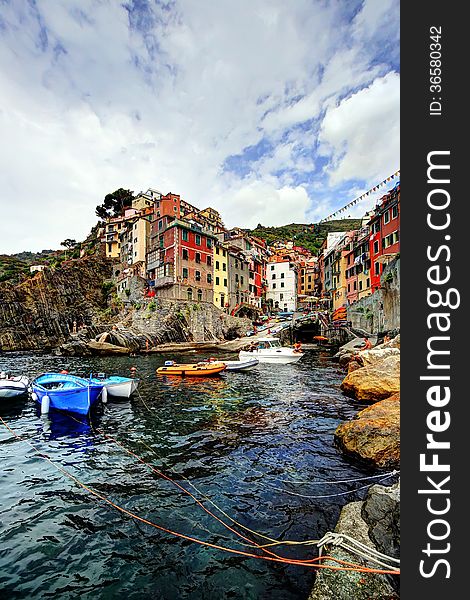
270,111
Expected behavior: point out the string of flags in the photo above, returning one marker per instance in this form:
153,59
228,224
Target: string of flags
359,198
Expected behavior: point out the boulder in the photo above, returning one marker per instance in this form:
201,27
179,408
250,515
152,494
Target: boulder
105,348
375,355
381,512
353,365
344,585
374,382
374,435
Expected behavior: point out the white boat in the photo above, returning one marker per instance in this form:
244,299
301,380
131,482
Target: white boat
118,387
269,350
12,386
241,365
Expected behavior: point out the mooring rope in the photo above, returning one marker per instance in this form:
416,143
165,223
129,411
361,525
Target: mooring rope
347,566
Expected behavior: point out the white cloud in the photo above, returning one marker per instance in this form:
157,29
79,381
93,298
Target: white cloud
260,202
361,134
91,102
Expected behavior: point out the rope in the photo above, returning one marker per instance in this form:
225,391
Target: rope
363,487
380,476
356,547
347,566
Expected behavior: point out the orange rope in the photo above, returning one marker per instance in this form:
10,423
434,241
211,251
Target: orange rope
349,567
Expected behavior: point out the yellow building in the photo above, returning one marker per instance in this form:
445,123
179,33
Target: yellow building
112,231
339,279
221,297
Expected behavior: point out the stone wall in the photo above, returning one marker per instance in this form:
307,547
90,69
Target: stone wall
381,310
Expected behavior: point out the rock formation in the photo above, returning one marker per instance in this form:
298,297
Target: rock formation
374,435
375,381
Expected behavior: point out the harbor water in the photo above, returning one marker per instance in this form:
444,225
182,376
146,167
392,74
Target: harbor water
258,444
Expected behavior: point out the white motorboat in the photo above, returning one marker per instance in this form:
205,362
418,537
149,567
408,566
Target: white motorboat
12,386
269,350
241,365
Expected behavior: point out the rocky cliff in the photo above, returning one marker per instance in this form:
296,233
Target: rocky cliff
39,314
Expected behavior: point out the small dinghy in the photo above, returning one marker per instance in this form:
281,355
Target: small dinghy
10,387
201,369
65,392
118,387
241,365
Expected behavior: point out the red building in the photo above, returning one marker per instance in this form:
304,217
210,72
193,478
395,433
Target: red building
179,266
384,240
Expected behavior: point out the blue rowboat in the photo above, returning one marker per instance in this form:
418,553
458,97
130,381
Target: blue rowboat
67,392
120,387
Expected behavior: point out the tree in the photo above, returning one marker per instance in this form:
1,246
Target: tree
114,203
68,243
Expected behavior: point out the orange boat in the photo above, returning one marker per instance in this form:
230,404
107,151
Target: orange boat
202,369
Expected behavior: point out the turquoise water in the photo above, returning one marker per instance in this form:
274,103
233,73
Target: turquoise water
239,438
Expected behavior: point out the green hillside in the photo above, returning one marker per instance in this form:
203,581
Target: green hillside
307,236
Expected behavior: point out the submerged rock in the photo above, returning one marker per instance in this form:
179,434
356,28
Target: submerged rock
347,585
374,435
374,382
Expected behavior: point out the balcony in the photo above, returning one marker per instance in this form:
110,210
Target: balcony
165,281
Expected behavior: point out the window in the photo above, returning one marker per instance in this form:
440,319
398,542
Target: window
217,250
360,285
395,211
281,296
199,295
349,287
224,253
368,282
160,224
241,279
273,276
222,300
190,294
376,246
272,267
225,283
185,235
282,275
198,257
377,268
274,286
197,275
387,217
185,254
198,239
209,243
217,281
224,266
185,273
236,277
241,266
135,240
209,260
282,284
355,285
376,227
217,265
209,278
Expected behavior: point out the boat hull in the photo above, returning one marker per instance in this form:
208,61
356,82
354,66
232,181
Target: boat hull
193,370
273,357
119,387
11,388
241,365
66,392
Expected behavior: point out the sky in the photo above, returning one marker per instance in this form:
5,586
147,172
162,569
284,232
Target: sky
272,112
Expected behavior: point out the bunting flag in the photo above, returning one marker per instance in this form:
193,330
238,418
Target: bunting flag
356,200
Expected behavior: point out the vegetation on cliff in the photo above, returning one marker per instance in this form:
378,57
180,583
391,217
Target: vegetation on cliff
310,237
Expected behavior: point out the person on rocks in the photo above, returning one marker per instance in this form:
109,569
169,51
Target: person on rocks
367,344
